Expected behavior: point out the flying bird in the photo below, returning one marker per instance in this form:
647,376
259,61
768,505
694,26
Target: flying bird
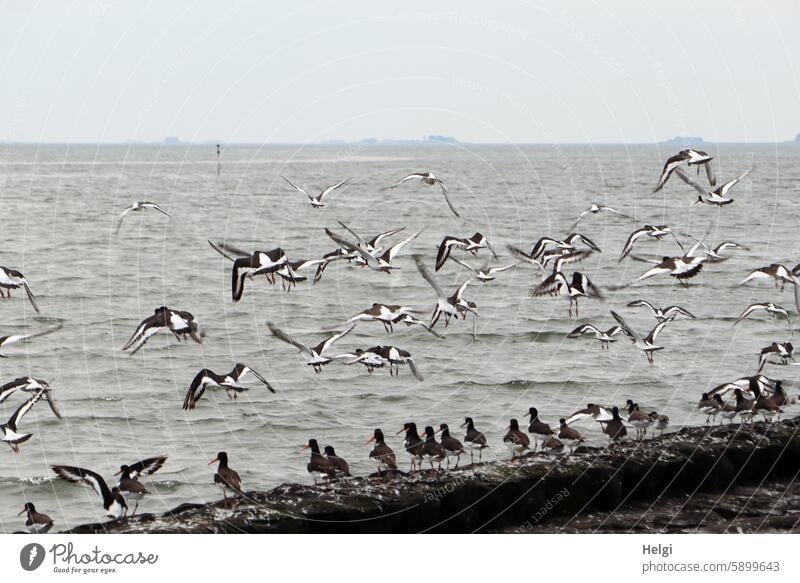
690,157
604,336
662,314
180,323
382,262
316,201
429,179
770,308
11,279
113,502
9,431
315,356
140,206
231,382
716,197
14,338
646,344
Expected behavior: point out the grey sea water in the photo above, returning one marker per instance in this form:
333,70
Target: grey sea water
59,207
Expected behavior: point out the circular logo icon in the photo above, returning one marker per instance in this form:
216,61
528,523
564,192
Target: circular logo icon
31,556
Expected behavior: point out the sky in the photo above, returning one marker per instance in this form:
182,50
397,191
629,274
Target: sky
495,72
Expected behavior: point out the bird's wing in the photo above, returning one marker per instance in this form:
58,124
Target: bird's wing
333,187
216,247
31,297
376,240
502,268
281,335
749,310
293,185
329,342
395,249
614,330
447,199
122,217
350,246
585,329
428,276
146,329
83,477
462,288
658,328
679,310
755,274
551,284
627,329
522,256
155,207
25,407
640,303
588,242
358,237
244,369
146,467
723,190
688,180
712,178
414,370
657,270
629,243
467,265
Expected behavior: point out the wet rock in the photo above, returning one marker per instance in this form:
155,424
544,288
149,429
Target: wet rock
693,480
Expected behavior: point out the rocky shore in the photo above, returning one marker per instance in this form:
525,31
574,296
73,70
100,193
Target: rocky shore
736,478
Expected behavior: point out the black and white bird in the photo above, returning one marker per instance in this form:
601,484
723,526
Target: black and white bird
15,338
394,357
129,485
382,262
316,200
265,263
474,440
515,440
429,179
646,344
783,350
776,272
579,287
681,268
716,197
226,478
656,232
180,323
11,279
410,320
662,314
36,522
29,385
9,431
596,412
231,382
604,336
371,246
485,272
770,308
315,356
140,206
448,306
596,208
716,254
387,314
569,243
113,502
689,157
470,244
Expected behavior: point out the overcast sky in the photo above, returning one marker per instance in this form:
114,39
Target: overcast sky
296,71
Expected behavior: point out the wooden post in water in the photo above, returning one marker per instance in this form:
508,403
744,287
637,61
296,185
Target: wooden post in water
218,160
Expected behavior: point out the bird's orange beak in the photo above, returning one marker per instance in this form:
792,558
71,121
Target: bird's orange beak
371,439
306,446
119,472
464,424
401,431
24,510
438,431
215,460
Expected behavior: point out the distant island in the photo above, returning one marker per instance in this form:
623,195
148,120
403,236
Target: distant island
797,138
686,141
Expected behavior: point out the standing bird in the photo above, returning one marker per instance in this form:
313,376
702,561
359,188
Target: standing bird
647,344
413,444
11,279
140,206
341,469
662,314
225,477
113,502
316,201
569,435
710,407
615,429
451,445
689,157
474,439
230,382
180,323
320,467
432,451
36,522
429,179
9,431
639,419
129,485
382,454
315,356
538,428
516,441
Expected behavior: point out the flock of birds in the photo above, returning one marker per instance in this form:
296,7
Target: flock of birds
746,397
